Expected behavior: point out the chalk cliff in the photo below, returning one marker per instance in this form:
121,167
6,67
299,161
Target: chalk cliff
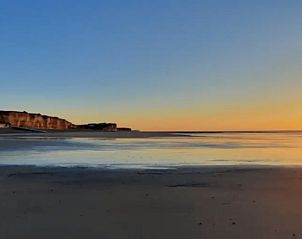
29,120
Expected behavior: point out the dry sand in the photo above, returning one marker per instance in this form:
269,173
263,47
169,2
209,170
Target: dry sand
184,203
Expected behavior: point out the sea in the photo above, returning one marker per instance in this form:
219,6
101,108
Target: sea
189,149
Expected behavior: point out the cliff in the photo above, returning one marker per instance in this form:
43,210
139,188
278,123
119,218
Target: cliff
107,127
29,120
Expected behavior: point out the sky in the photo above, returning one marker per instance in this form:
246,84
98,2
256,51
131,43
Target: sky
155,65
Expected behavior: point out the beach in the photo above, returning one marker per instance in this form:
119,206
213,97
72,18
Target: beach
199,202
150,185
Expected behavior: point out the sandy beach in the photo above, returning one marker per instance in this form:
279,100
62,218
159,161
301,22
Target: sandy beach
203,202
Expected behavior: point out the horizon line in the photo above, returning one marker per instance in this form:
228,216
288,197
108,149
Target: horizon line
223,131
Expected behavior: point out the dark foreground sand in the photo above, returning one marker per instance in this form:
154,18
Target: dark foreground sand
184,203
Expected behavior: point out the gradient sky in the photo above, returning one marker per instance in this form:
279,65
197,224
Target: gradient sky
155,65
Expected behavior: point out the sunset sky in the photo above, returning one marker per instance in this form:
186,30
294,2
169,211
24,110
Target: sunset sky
155,65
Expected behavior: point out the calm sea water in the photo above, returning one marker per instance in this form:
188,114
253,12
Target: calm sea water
191,150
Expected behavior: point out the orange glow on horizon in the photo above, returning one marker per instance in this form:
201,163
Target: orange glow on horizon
222,121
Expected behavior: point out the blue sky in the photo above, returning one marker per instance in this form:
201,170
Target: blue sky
145,63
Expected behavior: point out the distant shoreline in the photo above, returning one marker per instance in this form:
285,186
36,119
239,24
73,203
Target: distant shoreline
225,131
144,132
88,134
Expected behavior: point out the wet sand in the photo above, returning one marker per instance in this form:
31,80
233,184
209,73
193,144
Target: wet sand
205,202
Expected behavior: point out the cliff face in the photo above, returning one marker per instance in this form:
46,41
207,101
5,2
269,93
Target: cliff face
38,121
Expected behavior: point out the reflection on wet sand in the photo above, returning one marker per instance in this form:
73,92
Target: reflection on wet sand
157,151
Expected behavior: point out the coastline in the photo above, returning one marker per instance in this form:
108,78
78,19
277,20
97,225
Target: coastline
194,202
87,134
